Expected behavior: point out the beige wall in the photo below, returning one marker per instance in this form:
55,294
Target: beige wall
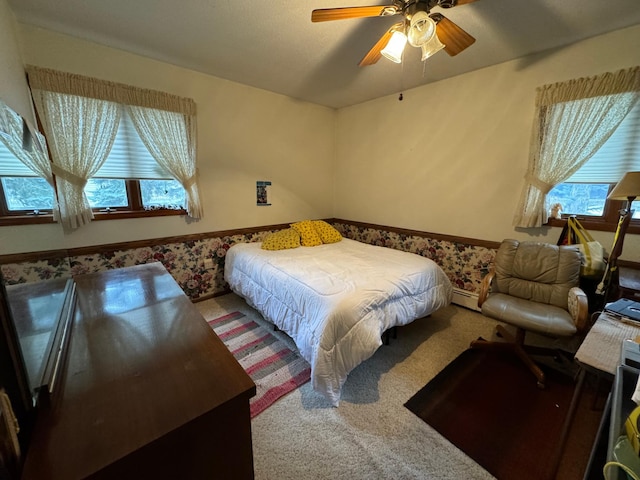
244,135
450,158
13,86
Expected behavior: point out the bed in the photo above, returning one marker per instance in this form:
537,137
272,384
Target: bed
336,300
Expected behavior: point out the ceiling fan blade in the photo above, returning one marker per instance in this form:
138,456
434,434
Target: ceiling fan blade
454,38
374,54
327,14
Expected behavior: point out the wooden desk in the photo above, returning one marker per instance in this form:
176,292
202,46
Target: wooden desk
148,389
600,352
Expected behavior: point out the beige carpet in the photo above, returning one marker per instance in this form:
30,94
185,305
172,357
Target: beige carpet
371,435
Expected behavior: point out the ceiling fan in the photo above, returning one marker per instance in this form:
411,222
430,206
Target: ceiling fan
420,27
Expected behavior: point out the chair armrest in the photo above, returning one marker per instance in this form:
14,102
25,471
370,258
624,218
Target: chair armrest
578,307
485,287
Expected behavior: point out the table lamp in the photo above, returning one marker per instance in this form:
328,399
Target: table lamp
626,189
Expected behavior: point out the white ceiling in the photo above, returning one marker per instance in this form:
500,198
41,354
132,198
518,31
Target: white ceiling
274,46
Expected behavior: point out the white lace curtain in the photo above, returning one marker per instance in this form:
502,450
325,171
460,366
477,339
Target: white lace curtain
81,132
80,116
36,158
169,137
573,120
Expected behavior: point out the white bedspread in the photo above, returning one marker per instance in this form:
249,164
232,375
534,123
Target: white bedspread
336,300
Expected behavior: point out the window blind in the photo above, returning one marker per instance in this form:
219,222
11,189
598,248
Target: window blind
619,154
129,157
10,166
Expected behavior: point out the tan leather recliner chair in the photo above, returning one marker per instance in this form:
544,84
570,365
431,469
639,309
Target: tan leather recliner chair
533,286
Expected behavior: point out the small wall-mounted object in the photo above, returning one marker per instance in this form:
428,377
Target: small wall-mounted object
262,193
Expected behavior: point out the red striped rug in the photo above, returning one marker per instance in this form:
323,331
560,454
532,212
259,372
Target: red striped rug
275,369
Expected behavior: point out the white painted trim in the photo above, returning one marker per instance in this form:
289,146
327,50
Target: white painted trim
465,299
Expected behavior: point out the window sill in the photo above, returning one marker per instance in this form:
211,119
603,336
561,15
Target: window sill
120,214
99,216
25,220
597,225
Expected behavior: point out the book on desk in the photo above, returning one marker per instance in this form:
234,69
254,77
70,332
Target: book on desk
624,309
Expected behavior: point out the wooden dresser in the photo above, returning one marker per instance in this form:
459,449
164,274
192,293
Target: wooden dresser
147,389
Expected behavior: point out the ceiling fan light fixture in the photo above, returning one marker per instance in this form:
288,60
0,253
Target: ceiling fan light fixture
432,46
395,47
422,29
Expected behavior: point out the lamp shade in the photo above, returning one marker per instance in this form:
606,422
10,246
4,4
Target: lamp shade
395,46
432,46
629,186
422,29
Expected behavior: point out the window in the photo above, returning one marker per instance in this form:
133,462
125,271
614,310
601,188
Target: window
115,190
25,171
572,121
27,195
103,119
98,133
130,166
585,193
22,191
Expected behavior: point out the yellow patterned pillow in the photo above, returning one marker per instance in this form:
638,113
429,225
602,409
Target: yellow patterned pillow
308,235
327,233
287,238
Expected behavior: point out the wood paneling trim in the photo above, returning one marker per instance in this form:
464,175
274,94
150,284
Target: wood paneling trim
14,220
629,264
450,238
419,233
225,291
72,252
53,254
33,256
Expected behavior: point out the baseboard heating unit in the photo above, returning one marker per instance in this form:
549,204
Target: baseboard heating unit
465,299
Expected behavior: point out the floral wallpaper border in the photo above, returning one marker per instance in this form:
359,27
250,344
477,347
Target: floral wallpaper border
465,265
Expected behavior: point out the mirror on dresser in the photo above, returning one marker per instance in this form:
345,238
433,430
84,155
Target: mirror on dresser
35,320
34,317
41,313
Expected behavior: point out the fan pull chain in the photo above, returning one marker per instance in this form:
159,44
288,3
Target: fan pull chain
400,97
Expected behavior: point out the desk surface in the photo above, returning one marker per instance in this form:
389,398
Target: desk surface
602,346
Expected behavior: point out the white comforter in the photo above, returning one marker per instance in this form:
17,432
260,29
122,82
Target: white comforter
336,300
